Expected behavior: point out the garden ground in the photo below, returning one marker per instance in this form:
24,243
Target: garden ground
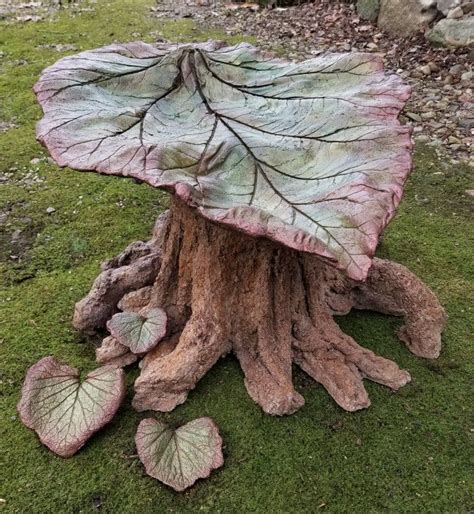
409,452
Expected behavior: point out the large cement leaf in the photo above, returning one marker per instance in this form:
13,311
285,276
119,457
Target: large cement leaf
138,332
65,412
179,457
309,154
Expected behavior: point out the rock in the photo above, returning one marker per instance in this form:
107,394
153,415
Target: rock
368,9
426,70
413,116
423,138
468,76
446,5
456,33
50,210
428,115
35,161
404,17
470,192
456,70
16,236
468,6
466,123
455,13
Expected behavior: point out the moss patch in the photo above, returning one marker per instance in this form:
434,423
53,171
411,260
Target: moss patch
407,453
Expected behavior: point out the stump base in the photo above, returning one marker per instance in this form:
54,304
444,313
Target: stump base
225,291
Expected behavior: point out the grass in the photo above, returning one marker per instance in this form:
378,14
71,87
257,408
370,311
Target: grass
408,453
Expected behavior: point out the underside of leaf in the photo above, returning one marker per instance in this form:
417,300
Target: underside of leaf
179,457
308,154
64,411
139,332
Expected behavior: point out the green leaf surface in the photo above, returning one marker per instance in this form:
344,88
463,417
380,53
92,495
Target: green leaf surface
138,332
309,154
179,457
64,411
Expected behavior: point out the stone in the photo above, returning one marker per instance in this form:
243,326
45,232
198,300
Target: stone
452,140
446,5
413,116
468,76
16,236
404,17
455,13
468,6
456,70
426,70
455,33
423,138
466,123
368,9
50,210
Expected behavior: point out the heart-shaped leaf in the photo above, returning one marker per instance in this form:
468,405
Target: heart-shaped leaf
65,412
139,332
179,457
309,154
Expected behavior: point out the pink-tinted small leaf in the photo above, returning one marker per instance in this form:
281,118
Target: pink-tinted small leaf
139,332
65,412
179,457
308,154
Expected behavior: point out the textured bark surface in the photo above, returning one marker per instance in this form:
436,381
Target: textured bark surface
134,268
272,306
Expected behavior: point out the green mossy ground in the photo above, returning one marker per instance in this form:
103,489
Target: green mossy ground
408,453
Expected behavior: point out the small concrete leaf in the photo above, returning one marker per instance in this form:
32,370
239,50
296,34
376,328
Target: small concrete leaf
139,332
64,411
308,154
179,457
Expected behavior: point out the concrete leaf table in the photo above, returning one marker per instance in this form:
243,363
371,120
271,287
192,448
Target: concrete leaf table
282,175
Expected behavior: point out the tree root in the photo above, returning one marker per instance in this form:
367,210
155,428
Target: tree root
272,306
112,353
136,267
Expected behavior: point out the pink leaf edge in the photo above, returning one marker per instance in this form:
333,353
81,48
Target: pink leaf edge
362,98
65,412
149,439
